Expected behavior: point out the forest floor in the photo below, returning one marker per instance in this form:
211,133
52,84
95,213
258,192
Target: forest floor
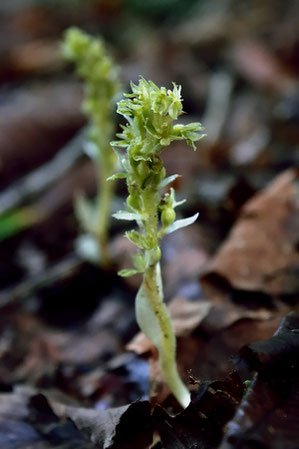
74,370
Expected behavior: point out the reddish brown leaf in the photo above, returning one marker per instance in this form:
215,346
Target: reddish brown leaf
261,255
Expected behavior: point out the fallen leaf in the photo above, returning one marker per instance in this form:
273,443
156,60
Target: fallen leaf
268,415
30,417
201,424
126,427
260,255
187,315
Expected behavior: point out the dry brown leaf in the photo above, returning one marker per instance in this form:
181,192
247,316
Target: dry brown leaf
260,254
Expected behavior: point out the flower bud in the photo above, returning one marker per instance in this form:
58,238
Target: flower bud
133,202
143,169
158,253
162,174
167,216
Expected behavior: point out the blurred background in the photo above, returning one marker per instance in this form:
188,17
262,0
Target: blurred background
63,320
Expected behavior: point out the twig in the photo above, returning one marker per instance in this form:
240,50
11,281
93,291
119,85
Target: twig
44,176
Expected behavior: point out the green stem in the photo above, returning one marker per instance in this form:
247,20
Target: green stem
163,336
152,285
105,195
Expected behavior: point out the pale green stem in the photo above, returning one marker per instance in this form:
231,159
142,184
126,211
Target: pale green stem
152,285
159,329
105,195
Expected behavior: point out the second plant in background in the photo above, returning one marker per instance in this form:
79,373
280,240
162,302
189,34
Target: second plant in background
102,85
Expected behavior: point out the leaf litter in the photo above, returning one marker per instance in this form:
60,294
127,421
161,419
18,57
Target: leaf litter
65,378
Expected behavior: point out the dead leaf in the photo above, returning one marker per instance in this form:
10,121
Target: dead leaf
34,417
125,427
187,315
260,255
201,424
269,413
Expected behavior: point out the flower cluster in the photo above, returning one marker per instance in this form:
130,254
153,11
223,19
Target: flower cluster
97,69
150,112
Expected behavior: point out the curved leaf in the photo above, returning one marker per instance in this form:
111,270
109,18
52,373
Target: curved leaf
178,224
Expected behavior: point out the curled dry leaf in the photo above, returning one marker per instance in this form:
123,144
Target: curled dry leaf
260,255
35,418
224,314
126,427
201,424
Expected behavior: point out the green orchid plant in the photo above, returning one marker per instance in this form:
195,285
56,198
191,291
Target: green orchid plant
101,82
151,113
